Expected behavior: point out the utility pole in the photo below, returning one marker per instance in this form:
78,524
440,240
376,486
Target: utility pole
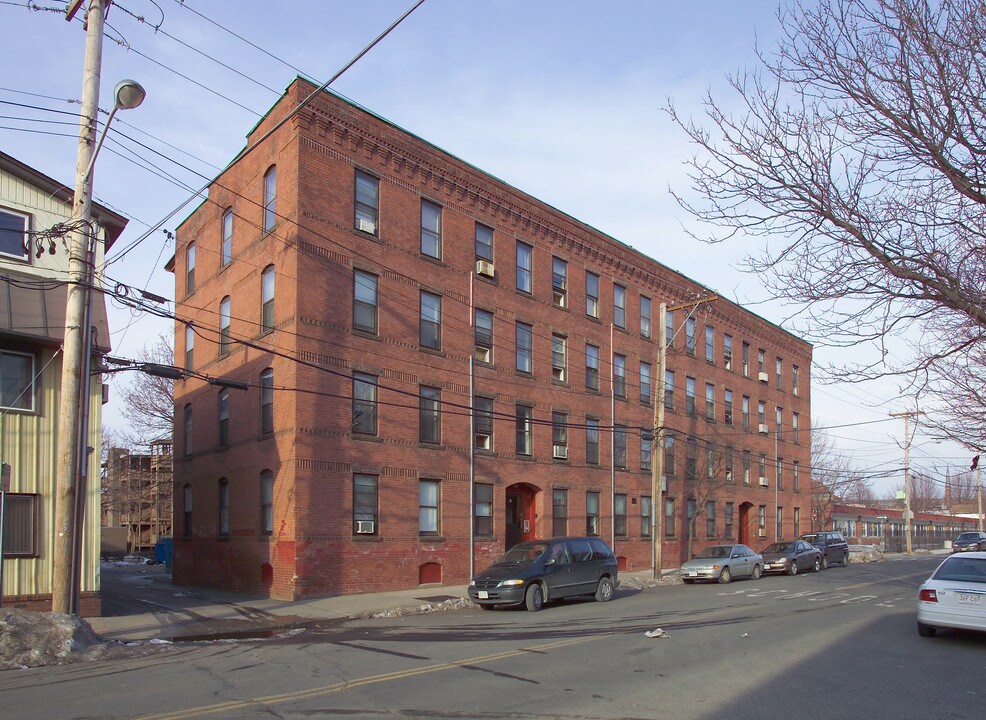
657,446
979,490
73,383
907,481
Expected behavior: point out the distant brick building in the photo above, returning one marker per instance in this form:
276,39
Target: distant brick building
439,363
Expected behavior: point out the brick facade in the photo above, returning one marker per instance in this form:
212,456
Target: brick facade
321,443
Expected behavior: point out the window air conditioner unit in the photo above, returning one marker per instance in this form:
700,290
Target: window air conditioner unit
762,428
763,377
763,481
367,226
761,533
484,267
560,451
364,527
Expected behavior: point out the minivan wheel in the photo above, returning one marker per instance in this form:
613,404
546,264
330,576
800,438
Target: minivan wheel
824,563
845,561
534,598
604,590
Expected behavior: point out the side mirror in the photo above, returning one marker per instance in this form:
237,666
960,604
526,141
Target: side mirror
735,555
550,561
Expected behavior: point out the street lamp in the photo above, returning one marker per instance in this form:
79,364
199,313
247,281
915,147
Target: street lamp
73,418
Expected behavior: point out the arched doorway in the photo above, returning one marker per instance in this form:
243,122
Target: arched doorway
745,513
520,513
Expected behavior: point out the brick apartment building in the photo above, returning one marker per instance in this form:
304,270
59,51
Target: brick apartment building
439,365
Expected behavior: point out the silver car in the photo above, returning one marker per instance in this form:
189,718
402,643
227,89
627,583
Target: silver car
954,596
722,563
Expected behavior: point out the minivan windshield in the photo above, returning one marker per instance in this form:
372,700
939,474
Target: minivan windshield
523,554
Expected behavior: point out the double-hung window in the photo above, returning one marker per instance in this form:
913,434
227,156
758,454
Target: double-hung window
226,249
266,502
591,294
430,331
429,515
14,241
484,243
620,376
525,347
267,401
525,260
559,435
20,527
267,299
484,336
669,389
16,380
710,344
690,395
430,415
483,422
620,515
728,403
592,441
592,513
224,507
559,282
190,268
690,336
224,418
431,229
645,381
365,504
592,367
710,401
620,306
483,513
620,446
365,301
559,512
270,199
559,357
367,203
524,419
364,404
224,313
645,315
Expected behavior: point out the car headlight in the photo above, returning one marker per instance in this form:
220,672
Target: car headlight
511,582
472,583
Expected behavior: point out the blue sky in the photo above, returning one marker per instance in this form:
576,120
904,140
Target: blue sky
562,99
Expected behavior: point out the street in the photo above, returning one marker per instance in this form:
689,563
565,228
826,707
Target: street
838,644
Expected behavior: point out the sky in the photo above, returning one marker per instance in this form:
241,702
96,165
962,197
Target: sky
563,99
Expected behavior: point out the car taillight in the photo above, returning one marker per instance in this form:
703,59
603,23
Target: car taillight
928,596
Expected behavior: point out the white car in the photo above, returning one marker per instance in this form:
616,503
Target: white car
954,596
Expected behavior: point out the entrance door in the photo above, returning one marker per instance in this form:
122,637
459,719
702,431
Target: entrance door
744,523
519,515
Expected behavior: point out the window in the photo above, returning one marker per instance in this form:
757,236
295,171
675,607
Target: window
483,514
430,415
710,519
620,306
365,504
778,472
224,326
559,282
729,464
690,512
644,316
778,417
592,441
592,513
690,336
645,516
691,459
620,376
797,522
559,357
267,300
559,512
669,467
746,467
13,235
710,344
270,199
620,515
189,347
669,389
762,520
224,507
20,525
795,372
267,401
524,415
745,358
645,381
796,476
778,364
431,229
746,413
484,336
728,404
224,418
525,260
728,520
620,446
187,427
430,330
710,460
367,203
365,301
186,498
690,395
190,269
428,509
727,351
364,404
591,294
16,381
266,502
762,413
525,347
795,422
559,435
483,422
669,517
762,468
761,362
669,328
591,367
484,243
646,449
710,401
779,532
226,249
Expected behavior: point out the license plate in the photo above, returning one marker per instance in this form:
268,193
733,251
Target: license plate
483,595
970,599
692,573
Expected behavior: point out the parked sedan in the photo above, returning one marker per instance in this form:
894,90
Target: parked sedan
722,563
954,596
968,541
791,557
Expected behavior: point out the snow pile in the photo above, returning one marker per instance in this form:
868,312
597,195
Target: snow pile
30,639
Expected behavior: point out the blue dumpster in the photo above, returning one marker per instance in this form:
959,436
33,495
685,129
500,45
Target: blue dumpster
164,551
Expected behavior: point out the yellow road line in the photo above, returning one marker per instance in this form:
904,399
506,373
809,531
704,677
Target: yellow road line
233,705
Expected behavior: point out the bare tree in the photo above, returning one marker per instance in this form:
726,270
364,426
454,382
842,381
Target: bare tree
962,487
859,152
148,400
834,478
705,478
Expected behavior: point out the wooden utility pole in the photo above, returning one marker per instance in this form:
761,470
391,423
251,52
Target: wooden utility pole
907,482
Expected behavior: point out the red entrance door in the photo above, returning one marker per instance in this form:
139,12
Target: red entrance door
519,515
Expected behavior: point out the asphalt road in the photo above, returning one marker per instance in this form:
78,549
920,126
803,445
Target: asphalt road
837,644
